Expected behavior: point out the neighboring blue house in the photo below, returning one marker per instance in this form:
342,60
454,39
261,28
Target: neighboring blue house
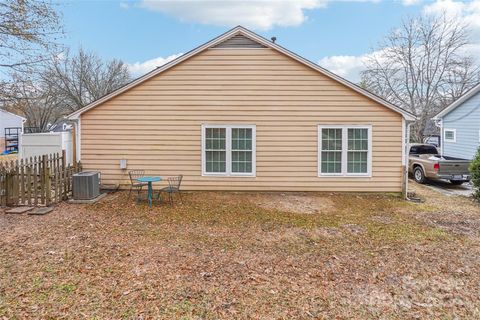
460,126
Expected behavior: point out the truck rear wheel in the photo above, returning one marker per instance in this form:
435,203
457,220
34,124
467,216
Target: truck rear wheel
419,175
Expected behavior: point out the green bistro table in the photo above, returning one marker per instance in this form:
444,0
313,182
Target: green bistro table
149,180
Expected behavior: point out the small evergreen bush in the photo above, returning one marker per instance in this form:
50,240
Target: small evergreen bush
475,170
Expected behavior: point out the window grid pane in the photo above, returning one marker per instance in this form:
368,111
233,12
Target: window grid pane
215,150
331,150
357,156
242,150
357,162
331,162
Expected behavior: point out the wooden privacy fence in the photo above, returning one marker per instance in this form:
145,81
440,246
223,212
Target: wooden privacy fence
37,181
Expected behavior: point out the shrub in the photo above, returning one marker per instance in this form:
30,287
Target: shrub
475,170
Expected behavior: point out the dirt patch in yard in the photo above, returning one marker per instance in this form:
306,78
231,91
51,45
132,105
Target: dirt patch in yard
294,202
454,222
353,228
231,256
295,234
383,219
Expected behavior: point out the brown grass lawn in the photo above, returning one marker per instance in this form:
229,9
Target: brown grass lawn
260,256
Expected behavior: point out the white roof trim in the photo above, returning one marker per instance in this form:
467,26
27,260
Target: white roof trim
241,30
13,114
458,102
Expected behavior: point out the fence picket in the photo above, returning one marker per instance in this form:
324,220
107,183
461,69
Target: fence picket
48,187
35,182
43,165
29,185
8,191
22,182
51,170
16,184
2,187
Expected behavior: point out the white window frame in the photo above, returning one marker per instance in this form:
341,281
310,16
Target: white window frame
228,144
454,135
344,172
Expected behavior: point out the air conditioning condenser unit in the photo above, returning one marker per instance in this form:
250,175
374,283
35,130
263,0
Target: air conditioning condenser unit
86,185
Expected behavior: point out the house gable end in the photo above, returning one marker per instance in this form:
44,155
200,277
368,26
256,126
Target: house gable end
234,39
463,99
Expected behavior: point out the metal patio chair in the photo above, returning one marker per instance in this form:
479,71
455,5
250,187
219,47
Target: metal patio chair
134,184
174,184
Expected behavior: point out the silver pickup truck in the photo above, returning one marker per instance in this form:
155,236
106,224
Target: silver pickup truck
425,163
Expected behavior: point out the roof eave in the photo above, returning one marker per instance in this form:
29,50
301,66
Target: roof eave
408,116
156,71
13,114
458,102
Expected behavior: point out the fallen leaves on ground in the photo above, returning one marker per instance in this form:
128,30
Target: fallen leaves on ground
236,255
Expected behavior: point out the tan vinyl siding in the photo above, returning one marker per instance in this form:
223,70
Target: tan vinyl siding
156,126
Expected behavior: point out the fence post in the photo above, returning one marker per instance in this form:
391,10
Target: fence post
64,159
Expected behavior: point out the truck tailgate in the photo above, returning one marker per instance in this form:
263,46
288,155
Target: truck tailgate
454,167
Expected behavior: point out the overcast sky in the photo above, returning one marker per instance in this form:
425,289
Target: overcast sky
337,34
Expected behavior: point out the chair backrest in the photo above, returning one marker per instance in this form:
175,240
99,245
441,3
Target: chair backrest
135,174
175,182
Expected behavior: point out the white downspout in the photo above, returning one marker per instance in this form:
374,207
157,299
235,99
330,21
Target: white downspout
20,140
76,136
407,152
440,139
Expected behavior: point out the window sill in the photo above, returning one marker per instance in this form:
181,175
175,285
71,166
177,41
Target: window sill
344,176
223,175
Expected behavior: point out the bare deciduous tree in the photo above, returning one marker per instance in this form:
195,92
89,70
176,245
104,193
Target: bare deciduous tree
422,66
35,79
82,78
29,30
36,102
65,85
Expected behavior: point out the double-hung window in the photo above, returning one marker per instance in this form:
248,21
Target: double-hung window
344,150
228,150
